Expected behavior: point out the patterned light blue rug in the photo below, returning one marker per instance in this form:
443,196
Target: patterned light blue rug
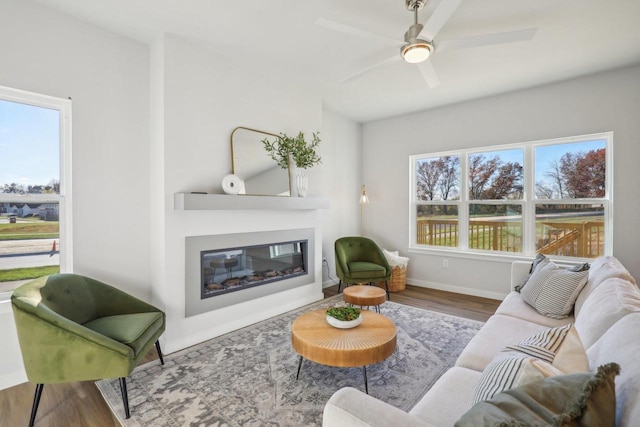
248,377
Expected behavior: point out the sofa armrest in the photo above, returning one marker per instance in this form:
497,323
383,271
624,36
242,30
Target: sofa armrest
519,272
349,407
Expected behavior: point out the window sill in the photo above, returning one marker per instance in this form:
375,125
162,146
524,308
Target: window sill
495,257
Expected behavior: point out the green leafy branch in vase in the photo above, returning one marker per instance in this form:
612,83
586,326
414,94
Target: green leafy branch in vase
302,153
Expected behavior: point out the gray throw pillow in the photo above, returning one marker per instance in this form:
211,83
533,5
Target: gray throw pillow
538,259
582,399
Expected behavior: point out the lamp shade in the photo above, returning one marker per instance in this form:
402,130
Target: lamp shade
363,196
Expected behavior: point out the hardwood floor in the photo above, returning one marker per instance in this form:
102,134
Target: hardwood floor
468,306
81,404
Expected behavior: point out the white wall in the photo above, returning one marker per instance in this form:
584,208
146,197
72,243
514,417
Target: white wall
107,77
342,171
204,97
603,102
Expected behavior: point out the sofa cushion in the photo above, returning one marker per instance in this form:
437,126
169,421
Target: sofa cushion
559,346
513,305
609,302
603,268
504,373
620,344
448,398
552,290
581,399
498,332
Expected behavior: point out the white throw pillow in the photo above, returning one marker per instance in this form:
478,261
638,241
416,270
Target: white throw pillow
552,290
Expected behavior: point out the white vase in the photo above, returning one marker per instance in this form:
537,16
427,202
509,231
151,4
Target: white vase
293,186
302,181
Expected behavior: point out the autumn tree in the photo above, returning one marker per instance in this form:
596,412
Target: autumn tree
428,175
585,173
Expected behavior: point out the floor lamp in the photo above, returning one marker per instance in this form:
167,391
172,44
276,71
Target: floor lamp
364,200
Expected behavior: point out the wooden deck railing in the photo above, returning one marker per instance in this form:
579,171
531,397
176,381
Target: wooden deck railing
576,239
583,239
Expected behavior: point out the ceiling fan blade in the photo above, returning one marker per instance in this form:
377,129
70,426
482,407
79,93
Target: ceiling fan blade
348,29
440,16
429,73
487,39
390,60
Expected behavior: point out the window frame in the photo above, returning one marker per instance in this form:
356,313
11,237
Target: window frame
528,203
64,199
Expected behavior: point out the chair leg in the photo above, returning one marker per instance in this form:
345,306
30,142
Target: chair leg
36,402
125,397
339,285
386,284
159,352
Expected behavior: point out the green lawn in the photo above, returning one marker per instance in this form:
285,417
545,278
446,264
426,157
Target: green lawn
34,229
27,273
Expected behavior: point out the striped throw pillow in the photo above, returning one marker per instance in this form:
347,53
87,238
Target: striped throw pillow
505,373
552,290
560,347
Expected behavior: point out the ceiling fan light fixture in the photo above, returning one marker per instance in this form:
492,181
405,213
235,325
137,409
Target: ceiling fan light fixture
416,52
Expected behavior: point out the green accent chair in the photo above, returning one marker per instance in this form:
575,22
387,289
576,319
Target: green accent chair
74,328
360,260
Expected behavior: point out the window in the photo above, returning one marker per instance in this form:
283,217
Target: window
35,147
551,197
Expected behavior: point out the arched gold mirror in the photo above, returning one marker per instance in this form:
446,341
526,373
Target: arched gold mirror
251,163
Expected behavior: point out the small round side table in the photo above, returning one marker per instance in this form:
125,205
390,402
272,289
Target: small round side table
365,295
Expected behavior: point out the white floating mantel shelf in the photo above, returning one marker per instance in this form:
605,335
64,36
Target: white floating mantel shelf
216,202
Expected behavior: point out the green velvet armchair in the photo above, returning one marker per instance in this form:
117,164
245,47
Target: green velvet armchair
360,260
74,328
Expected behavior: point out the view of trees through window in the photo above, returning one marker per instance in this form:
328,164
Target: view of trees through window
29,192
567,205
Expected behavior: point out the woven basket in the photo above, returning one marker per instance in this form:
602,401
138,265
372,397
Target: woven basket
398,281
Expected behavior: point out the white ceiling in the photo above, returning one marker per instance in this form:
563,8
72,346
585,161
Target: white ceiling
574,37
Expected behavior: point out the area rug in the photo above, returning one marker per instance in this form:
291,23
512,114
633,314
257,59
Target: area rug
248,377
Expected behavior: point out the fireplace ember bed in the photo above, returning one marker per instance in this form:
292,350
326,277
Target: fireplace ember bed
233,269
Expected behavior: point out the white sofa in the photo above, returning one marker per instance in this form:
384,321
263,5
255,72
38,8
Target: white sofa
608,322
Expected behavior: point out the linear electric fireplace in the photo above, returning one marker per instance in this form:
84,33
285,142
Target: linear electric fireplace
227,269
235,269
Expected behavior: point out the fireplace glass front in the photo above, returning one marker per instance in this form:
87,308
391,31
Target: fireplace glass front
234,269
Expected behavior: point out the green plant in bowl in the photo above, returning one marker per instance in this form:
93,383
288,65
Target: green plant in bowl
344,314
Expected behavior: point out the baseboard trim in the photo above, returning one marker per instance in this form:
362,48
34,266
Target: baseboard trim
456,289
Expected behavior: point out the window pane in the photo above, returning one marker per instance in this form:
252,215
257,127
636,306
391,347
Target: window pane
29,149
571,171
29,169
437,225
570,230
495,227
29,242
496,175
438,178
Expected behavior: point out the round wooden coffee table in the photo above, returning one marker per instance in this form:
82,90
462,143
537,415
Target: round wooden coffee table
364,295
370,342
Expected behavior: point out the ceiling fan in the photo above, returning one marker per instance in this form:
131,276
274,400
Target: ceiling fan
418,45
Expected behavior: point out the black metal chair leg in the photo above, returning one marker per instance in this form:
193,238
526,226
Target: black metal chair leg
36,402
386,284
125,397
339,285
159,352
